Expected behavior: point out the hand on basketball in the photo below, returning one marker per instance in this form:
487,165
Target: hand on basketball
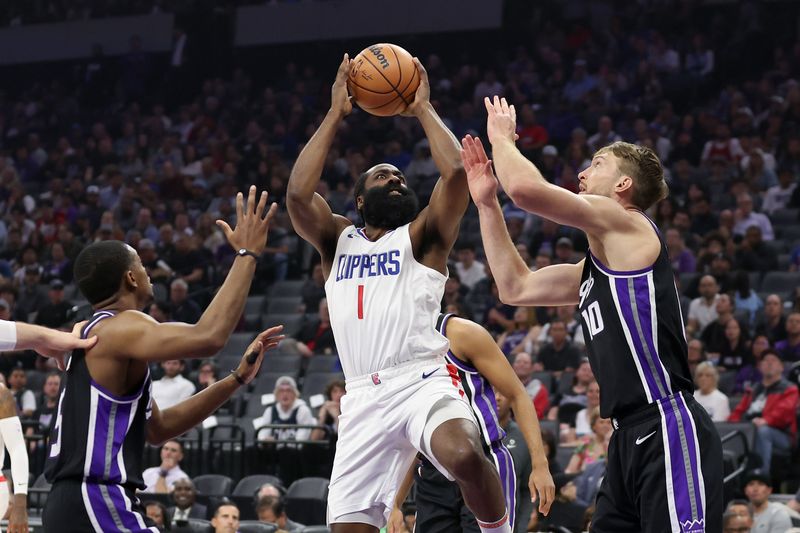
423,94
251,223
340,98
266,340
541,483
501,124
480,176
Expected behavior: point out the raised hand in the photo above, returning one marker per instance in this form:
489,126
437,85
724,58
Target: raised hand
501,123
480,176
423,94
266,340
340,98
251,223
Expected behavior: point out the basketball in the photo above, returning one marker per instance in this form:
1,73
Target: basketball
383,79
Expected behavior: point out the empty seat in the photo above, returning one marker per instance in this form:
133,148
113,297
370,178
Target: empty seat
292,323
199,526
307,500
314,529
265,384
248,485
254,526
288,364
238,343
785,217
284,304
727,382
780,282
316,383
213,484
324,363
254,304
286,287
546,378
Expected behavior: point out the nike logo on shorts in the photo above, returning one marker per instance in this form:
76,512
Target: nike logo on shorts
429,374
642,439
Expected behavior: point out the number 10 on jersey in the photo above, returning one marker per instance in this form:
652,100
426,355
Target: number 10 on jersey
593,319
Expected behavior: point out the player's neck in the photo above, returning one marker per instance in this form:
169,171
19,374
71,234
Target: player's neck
374,233
119,303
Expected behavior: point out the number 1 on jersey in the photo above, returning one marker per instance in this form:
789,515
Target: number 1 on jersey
361,302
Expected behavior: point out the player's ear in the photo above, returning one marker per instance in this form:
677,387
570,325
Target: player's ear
623,184
130,280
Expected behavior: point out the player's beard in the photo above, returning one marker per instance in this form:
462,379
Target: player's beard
389,211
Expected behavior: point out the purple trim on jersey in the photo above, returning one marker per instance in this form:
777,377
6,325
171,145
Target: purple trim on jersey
683,462
621,286
599,264
126,516
453,358
99,509
99,439
360,231
641,287
508,478
103,507
485,409
120,431
115,397
97,317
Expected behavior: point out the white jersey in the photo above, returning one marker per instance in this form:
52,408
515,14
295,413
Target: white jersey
383,303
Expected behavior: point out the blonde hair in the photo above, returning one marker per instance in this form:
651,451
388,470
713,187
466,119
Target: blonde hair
642,165
706,366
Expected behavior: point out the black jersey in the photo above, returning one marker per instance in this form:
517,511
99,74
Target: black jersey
634,332
98,436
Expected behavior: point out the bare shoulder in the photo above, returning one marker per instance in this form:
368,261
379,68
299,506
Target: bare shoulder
8,406
632,245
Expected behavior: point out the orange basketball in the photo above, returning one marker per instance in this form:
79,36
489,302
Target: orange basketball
383,79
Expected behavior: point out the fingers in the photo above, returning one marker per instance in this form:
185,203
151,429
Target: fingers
489,106
262,203
78,327
251,200
271,213
504,106
513,112
226,229
88,343
239,207
423,74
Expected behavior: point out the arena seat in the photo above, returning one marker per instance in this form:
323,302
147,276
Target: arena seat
314,529
213,484
237,344
316,383
196,525
323,363
292,322
286,288
546,378
307,500
248,485
727,382
780,282
286,364
254,526
283,304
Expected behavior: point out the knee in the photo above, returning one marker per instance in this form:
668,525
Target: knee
764,431
464,460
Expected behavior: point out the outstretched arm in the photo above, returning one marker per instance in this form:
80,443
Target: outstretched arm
141,337
474,342
311,215
180,418
450,198
528,189
517,285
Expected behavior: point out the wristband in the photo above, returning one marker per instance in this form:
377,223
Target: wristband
238,378
244,251
8,335
163,473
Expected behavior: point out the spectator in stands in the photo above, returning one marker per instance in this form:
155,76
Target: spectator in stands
550,450
58,266
569,316
511,340
455,295
707,394
206,375
748,375
713,336
778,196
271,509
288,410
55,313
593,447
330,411
605,134
316,337
789,348
560,354
703,309
754,255
158,270
160,311
566,512
574,399
735,348
681,257
172,388
769,517
268,489
564,252
745,298
794,503
183,308
48,403
772,322
161,479
469,270
771,405
696,354
745,217
736,523
32,296
184,496
583,423
314,289
156,512
226,518
523,368
25,398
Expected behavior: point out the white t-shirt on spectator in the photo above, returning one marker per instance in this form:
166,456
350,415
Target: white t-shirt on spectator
304,417
171,391
472,275
704,313
582,425
28,400
716,403
759,220
150,477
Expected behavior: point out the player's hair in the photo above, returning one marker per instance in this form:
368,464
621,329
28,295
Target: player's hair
100,267
358,190
642,165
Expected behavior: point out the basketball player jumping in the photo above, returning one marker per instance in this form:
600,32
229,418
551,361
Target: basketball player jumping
664,466
106,412
482,366
384,282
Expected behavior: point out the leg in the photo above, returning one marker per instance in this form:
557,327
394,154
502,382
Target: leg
455,445
438,502
769,438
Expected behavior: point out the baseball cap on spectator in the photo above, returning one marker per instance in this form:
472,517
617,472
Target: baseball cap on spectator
758,475
550,150
56,284
92,189
286,381
564,241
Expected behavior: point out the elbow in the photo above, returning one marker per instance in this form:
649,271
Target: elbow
508,295
211,342
521,193
155,436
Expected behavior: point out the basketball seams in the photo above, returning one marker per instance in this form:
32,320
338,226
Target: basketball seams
398,93
369,90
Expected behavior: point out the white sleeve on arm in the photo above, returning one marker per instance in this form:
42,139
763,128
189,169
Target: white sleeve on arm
8,335
11,429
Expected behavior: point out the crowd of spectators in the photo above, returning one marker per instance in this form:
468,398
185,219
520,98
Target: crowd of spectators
104,157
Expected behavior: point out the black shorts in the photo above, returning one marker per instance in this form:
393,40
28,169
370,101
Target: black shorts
664,472
75,507
440,507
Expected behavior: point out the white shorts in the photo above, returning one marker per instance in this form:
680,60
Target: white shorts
381,429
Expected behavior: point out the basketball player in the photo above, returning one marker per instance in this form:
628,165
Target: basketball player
11,437
106,411
665,457
47,342
384,282
481,366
